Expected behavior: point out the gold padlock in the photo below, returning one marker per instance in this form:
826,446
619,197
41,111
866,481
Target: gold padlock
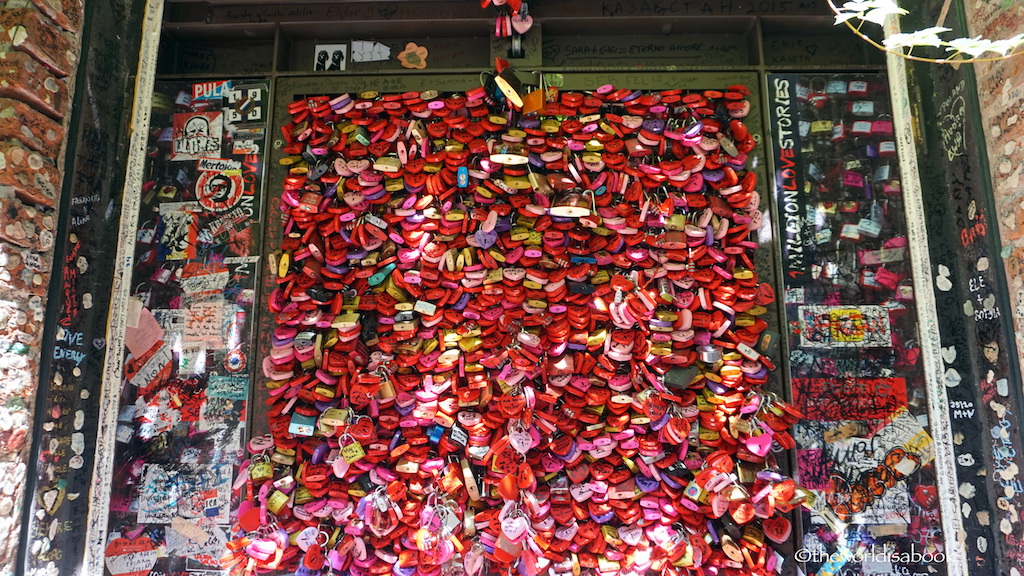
284,456
821,126
302,495
261,470
676,222
277,501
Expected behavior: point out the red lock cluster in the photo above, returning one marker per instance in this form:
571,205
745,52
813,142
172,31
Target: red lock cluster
519,341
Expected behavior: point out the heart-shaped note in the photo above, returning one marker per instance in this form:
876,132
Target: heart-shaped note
719,505
631,534
777,529
589,530
578,474
566,533
521,23
948,354
130,557
581,492
485,239
514,528
759,445
511,406
358,165
562,513
742,512
307,537
562,445
506,461
655,407
520,440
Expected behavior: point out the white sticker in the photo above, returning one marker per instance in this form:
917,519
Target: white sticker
330,57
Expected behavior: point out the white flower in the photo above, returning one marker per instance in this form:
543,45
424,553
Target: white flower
926,37
870,10
1007,46
972,46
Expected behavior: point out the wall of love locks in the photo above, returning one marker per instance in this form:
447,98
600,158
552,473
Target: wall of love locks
519,342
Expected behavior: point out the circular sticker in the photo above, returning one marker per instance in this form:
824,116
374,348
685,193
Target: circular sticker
218,191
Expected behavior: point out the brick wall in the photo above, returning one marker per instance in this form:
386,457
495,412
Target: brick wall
1001,96
39,47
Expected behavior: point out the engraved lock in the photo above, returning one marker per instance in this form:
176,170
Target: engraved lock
302,425
277,501
676,222
387,164
862,108
361,135
835,86
261,470
820,127
814,173
353,451
861,128
283,456
869,228
803,92
857,88
838,131
804,127
882,173
882,126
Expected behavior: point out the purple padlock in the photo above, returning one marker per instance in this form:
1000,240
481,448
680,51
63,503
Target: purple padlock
655,125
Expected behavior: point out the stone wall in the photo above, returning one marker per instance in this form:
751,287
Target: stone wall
39,46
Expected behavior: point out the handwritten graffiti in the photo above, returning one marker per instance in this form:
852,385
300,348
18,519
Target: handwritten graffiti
844,326
849,398
847,497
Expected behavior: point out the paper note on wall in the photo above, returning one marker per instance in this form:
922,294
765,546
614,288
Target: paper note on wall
144,335
204,324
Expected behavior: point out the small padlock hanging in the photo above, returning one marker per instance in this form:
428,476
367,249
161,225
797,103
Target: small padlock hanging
260,468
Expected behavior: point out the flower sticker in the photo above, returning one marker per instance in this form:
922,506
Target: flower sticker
413,56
